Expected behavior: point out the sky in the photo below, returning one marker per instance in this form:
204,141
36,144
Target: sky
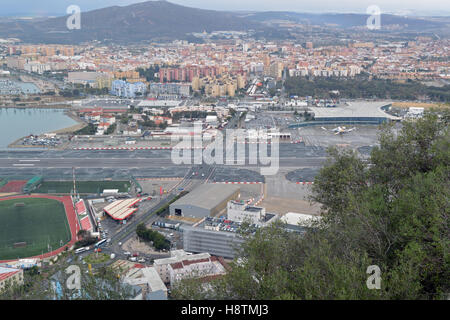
408,7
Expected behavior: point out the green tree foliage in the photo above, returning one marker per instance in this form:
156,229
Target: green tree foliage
149,73
86,241
111,129
362,87
159,241
391,211
90,129
102,284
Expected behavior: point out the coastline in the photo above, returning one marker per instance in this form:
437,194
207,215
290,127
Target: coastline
69,113
54,106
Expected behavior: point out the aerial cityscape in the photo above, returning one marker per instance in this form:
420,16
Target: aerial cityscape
152,150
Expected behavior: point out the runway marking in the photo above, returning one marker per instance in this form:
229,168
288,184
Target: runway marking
29,160
23,165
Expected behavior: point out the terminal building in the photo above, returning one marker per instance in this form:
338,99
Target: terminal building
356,112
206,200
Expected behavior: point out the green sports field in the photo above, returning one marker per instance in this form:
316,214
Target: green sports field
38,222
82,186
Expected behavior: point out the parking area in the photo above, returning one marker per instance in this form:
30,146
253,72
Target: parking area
266,120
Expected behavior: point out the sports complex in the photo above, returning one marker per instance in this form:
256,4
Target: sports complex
38,226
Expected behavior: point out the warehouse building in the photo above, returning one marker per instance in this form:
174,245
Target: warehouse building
206,200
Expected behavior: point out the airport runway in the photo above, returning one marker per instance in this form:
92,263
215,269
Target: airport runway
135,162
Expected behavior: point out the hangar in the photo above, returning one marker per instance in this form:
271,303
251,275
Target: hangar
206,200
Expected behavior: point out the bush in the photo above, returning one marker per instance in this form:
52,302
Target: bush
159,241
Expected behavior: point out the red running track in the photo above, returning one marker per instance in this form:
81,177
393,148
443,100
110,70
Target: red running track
13,186
71,218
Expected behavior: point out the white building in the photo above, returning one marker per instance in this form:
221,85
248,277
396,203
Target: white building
149,280
162,265
199,268
239,212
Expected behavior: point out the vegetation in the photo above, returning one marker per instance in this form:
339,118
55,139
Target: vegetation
362,87
50,283
90,129
95,258
392,213
111,129
191,115
86,241
149,73
83,90
158,240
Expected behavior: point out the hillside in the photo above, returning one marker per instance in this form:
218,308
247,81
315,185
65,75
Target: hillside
152,20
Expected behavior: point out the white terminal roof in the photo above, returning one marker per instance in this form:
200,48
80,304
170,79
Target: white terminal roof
299,219
121,209
355,109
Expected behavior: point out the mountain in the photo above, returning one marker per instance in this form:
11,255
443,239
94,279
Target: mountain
162,20
152,20
343,20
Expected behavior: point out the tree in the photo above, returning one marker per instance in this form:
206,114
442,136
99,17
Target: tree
391,211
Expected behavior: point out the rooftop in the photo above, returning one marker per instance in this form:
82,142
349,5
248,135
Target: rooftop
356,109
180,257
5,273
121,209
207,196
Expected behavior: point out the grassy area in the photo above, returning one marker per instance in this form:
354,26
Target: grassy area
38,222
94,259
82,186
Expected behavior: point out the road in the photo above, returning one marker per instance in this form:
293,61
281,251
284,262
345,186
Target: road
193,178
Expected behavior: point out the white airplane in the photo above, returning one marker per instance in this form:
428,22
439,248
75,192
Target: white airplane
340,130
